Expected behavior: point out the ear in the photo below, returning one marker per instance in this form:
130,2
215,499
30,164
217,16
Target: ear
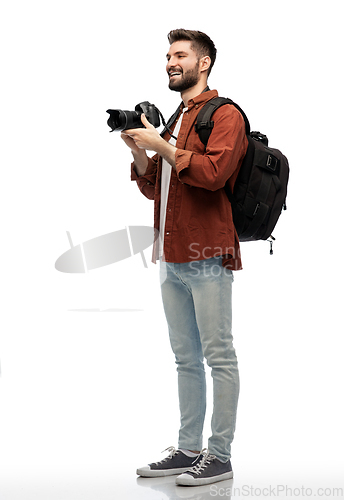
204,63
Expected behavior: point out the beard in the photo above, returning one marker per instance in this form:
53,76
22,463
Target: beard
186,81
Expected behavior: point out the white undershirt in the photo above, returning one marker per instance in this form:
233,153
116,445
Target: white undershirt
165,185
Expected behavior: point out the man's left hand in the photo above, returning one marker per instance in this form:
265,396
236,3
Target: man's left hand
148,138
145,138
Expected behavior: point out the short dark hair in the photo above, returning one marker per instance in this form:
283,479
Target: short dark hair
200,43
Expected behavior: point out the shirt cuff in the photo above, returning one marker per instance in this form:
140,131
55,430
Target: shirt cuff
183,160
150,172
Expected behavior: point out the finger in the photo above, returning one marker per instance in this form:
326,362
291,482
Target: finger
128,140
146,122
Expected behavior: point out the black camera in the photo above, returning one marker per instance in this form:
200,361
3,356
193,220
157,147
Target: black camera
123,120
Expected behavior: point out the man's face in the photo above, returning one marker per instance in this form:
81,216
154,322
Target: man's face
182,66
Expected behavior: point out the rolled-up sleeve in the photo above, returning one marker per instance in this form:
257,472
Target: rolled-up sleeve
146,182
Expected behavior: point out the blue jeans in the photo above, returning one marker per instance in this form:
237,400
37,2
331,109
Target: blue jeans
197,299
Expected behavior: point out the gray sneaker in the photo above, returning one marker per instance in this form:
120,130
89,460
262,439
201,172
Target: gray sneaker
176,463
209,470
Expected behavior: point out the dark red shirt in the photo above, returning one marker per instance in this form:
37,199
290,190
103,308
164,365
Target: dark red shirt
199,221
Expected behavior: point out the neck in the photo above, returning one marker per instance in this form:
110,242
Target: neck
188,94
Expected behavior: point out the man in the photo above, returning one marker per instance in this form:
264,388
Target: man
198,248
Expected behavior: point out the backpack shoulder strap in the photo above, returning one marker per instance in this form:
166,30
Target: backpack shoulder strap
204,125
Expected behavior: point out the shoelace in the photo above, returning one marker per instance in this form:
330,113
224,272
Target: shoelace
172,451
206,460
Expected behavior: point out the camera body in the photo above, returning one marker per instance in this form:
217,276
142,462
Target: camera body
122,120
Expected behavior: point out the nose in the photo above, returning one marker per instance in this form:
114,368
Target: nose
170,66
171,63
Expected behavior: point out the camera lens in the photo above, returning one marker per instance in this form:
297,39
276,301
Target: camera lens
122,120
133,119
117,119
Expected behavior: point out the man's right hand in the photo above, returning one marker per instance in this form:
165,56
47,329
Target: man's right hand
130,143
140,155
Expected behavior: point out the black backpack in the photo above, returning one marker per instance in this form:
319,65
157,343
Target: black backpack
260,190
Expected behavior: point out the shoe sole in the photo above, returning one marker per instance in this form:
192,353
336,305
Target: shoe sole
188,480
145,472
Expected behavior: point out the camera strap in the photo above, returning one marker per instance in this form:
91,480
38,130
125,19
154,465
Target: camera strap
169,123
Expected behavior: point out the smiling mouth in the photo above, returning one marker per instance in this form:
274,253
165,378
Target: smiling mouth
174,73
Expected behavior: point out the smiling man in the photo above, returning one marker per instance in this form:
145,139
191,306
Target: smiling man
198,249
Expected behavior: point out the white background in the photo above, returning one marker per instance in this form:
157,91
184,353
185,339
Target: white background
86,397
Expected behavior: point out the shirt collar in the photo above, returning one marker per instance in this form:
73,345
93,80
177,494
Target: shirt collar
202,98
